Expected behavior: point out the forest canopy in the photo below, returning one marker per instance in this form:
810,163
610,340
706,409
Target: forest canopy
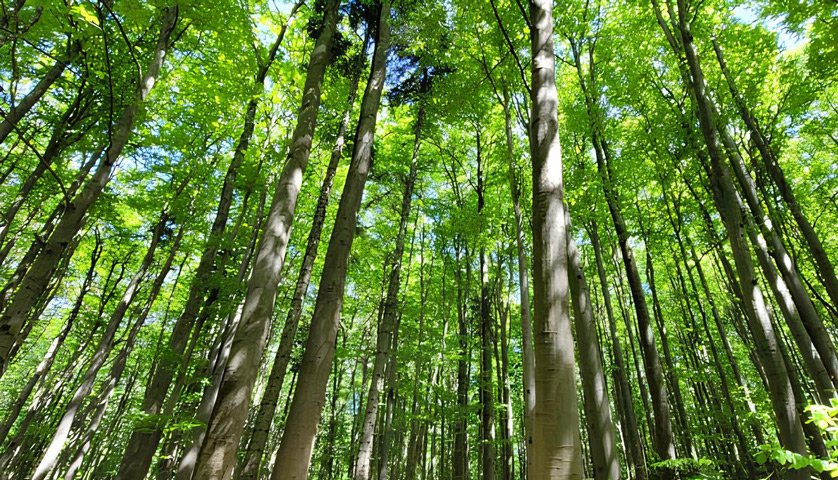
418,239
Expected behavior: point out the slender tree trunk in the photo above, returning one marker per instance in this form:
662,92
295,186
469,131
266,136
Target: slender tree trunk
459,454
188,459
100,403
487,400
630,430
758,221
294,453
35,282
557,449
663,438
387,331
524,290
597,406
46,364
143,442
218,452
17,112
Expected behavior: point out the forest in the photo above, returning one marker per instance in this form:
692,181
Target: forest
418,239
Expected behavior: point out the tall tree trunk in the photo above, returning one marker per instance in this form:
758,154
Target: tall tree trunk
34,283
262,423
17,112
597,406
487,400
100,402
663,438
49,358
188,459
144,441
527,358
292,459
630,430
759,223
460,455
557,449
97,361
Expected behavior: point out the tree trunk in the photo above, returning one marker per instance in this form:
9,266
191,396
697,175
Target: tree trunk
144,441
100,403
460,455
17,112
46,364
527,359
294,453
218,452
387,329
557,449
630,430
597,406
769,158
100,356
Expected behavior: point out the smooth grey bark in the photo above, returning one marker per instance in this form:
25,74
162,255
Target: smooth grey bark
459,454
765,337
292,459
220,355
596,404
663,439
35,281
557,449
487,401
387,331
217,457
527,359
250,463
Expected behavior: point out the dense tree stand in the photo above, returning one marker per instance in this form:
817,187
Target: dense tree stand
416,240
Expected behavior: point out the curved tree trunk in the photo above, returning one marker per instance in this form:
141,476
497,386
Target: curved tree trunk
264,417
